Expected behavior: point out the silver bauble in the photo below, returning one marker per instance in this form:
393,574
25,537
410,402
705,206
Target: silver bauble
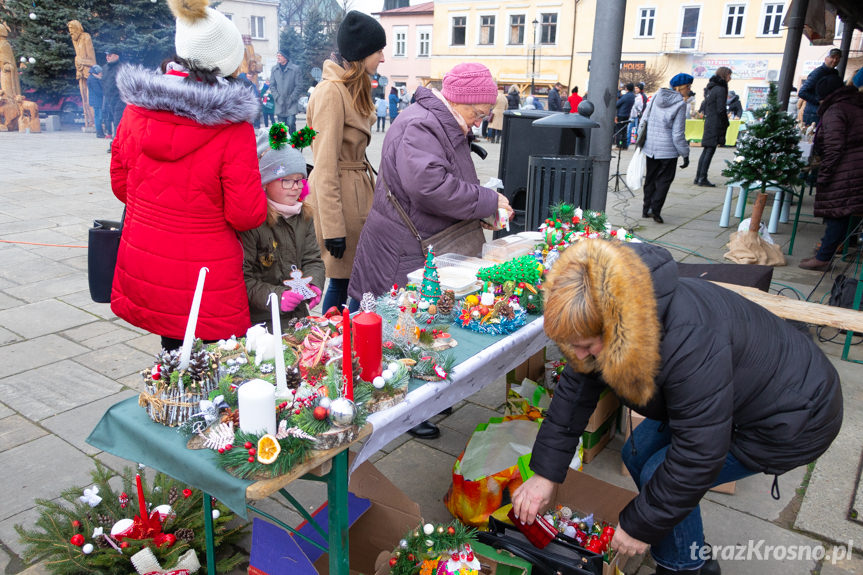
342,412
325,402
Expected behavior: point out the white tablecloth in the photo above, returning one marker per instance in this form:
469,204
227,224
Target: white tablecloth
466,378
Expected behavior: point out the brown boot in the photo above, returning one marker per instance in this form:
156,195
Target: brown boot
814,264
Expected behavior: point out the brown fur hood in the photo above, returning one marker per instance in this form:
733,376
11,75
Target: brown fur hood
618,291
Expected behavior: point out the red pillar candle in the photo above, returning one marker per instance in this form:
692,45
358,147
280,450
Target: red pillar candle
368,341
145,517
347,356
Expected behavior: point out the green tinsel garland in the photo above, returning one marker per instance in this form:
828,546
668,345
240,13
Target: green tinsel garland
302,138
520,269
49,539
414,548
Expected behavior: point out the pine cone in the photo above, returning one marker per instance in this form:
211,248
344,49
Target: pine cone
105,520
185,534
173,495
293,377
170,361
446,302
102,543
199,364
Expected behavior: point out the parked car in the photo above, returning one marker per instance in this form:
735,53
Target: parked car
68,106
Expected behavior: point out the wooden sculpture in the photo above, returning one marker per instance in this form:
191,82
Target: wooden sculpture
85,57
28,115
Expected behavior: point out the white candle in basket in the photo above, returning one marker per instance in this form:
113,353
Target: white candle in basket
282,391
257,403
186,352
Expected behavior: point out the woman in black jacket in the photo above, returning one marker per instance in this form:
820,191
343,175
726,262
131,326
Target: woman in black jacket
715,122
728,388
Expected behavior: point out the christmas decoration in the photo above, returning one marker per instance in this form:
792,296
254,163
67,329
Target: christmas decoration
50,540
446,302
443,549
172,395
302,137
300,284
368,329
768,151
430,291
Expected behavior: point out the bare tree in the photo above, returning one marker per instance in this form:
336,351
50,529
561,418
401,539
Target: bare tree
653,76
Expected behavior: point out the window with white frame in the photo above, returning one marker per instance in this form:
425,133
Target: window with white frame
733,24
257,24
840,26
548,28
646,18
772,19
459,31
400,41
424,41
689,27
516,29
486,29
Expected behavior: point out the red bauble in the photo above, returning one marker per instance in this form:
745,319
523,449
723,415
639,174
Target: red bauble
187,493
124,544
168,539
248,445
320,413
251,459
393,561
411,557
77,539
450,530
253,451
76,524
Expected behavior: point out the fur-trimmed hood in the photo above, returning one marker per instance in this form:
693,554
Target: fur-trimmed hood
227,102
631,285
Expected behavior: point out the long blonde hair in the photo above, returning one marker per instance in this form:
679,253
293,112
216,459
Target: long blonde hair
359,86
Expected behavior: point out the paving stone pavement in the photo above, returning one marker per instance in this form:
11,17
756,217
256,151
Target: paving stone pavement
64,359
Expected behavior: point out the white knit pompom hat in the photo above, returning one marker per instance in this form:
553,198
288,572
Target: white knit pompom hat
206,37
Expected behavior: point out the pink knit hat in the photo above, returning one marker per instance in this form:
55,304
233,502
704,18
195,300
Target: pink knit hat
469,84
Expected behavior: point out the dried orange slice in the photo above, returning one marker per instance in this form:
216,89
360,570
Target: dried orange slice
268,449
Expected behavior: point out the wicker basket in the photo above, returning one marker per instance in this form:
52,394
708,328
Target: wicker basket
171,406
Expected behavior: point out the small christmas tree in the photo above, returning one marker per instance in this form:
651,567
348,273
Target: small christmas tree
767,151
430,290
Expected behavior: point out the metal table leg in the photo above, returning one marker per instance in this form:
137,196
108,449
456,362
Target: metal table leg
208,528
337,494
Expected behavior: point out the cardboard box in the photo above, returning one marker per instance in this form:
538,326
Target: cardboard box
380,514
595,441
496,562
533,368
605,408
636,418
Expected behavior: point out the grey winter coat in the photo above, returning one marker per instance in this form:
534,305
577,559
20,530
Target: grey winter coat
665,116
286,86
731,376
426,163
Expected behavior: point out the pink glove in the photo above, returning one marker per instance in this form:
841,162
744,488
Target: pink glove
290,300
315,300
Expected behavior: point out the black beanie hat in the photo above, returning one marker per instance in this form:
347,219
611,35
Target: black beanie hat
359,36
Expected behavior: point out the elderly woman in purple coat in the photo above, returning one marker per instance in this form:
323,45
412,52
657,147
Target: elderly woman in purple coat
426,164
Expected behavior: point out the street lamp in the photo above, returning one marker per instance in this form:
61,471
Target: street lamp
533,67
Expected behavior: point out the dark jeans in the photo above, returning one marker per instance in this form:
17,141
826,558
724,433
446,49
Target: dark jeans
834,232
657,180
97,121
704,162
290,121
337,294
269,119
112,113
679,550
494,135
621,133
484,129
382,124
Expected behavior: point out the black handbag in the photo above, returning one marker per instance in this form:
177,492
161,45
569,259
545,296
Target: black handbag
464,238
843,291
102,246
561,556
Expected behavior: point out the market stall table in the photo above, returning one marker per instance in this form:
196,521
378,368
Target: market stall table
125,430
695,131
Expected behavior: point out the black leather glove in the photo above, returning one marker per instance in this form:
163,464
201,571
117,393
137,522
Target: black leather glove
685,163
336,247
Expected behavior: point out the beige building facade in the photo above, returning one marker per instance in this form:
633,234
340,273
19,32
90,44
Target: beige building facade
258,19
407,56
661,38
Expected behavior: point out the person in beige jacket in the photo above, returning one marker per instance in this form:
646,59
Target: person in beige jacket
495,127
342,112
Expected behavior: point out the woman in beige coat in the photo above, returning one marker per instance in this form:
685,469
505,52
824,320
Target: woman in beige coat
342,112
495,127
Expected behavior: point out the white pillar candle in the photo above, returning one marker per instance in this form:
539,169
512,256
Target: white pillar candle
257,403
282,391
186,352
